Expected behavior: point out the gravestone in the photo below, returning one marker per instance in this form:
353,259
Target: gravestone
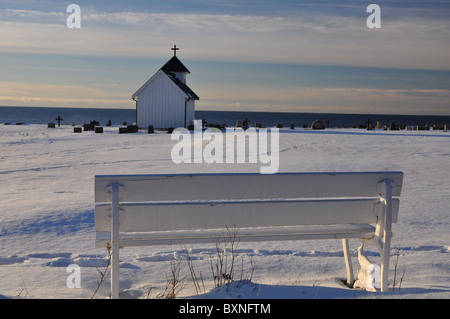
51,125
132,128
369,124
88,127
292,126
77,129
151,129
59,119
279,125
245,123
98,129
317,125
123,130
394,127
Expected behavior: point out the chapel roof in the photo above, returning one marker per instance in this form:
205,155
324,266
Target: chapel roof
174,65
183,86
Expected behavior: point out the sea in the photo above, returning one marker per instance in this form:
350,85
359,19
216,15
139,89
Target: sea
77,116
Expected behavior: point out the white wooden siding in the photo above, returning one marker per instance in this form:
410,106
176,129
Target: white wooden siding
161,103
190,112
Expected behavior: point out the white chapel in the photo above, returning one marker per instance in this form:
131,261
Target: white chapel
165,100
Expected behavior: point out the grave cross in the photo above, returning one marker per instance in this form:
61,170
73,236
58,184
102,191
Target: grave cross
59,119
175,50
368,123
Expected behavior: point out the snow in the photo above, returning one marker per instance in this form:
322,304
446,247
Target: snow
47,218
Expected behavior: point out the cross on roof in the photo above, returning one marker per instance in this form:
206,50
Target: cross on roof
175,50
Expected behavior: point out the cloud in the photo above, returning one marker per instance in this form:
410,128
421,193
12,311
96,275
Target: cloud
34,94
322,100
330,40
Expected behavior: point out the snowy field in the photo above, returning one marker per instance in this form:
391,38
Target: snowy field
47,216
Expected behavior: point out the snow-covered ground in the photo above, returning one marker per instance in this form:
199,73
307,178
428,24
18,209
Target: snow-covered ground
47,209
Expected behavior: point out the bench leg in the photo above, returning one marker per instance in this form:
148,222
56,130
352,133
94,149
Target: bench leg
386,191
385,270
348,262
115,242
386,249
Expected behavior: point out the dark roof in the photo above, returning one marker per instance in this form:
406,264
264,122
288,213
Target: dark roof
170,68
174,65
182,86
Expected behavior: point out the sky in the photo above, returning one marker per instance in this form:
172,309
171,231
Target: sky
315,56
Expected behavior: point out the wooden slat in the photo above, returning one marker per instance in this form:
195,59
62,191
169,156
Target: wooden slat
245,186
242,235
203,215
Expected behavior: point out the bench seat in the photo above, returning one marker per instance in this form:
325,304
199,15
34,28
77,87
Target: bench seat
179,237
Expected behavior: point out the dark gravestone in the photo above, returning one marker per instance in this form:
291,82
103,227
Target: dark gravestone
394,127
369,124
88,127
98,129
151,129
245,123
123,130
59,119
51,125
77,129
279,125
132,128
292,126
317,125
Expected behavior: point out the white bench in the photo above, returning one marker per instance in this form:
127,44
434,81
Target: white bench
133,210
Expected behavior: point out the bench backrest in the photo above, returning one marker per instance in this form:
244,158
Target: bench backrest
203,201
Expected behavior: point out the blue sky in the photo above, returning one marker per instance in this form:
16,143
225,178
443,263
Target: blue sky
258,55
